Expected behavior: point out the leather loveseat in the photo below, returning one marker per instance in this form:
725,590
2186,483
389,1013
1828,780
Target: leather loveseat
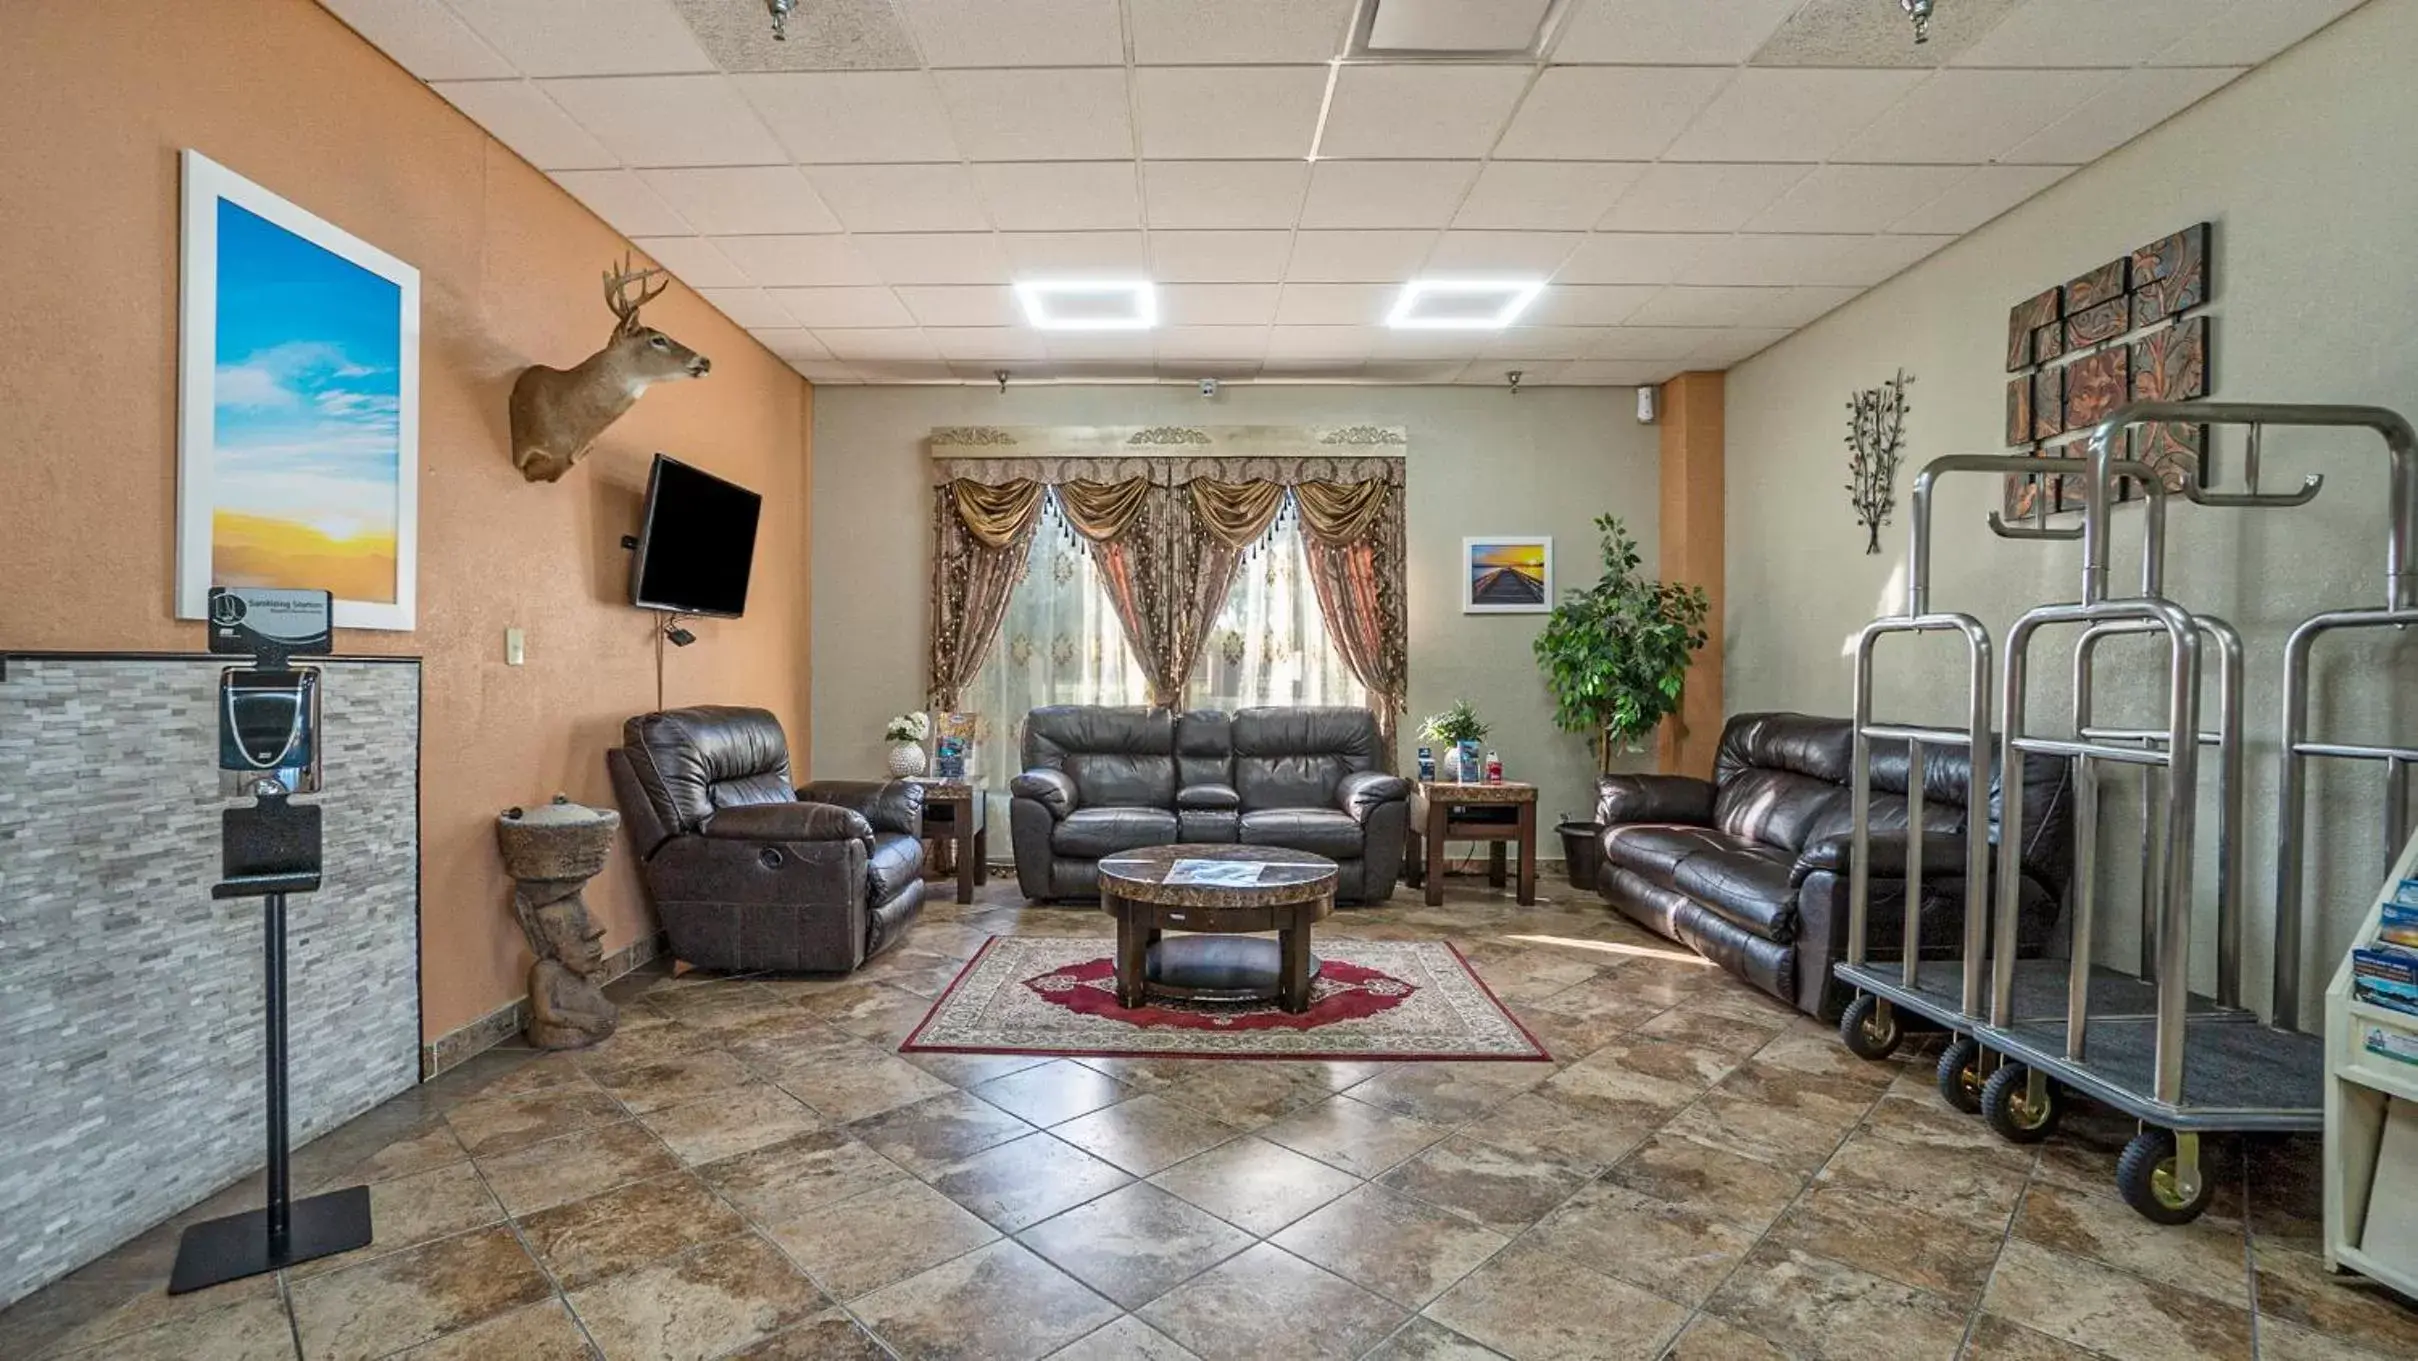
1099,780
1750,868
748,873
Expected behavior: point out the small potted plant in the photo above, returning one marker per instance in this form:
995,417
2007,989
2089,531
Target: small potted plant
906,734
1449,730
1616,658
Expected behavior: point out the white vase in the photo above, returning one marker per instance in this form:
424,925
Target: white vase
906,759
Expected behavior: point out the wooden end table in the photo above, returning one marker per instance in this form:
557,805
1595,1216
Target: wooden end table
1216,961
954,823
1433,804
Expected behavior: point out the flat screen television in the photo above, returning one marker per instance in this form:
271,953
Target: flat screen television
697,544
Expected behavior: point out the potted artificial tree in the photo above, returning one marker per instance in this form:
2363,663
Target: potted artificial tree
1616,657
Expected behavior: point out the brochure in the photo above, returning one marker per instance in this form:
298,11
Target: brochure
1229,873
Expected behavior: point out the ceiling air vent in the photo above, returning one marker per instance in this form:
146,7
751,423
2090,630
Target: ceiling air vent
1454,30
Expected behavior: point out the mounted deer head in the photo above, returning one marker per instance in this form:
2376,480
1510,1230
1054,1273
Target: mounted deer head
558,413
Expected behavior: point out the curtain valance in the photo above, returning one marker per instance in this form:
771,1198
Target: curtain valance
1167,470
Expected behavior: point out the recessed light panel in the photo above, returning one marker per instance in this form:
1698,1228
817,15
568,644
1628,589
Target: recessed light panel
1089,304
1462,304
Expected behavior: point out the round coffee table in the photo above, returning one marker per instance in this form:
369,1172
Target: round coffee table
1218,961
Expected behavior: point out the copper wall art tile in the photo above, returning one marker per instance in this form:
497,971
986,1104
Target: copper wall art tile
2048,403
2094,324
2022,497
2023,319
2095,385
2170,275
2048,342
2170,364
2019,411
2179,452
2090,290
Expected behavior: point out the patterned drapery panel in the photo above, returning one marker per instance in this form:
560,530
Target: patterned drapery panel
1354,539
980,536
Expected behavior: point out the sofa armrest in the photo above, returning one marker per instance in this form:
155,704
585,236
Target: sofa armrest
1943,856
1364,791
1208,798
1654,798
889,805
1052,789
787,822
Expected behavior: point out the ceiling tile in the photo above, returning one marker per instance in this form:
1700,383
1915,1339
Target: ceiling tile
1544,342
1789,114
1457,346
1358,257
1002,344
1980,196
586,37
1528,255
520,116
1313,371
825,35
1182,370
1420,109
905,342
956,305
1807,259
1860,33
1027,33
1496,371
693,260
1676,197
1386,193
1962,117
2137,102
1060,195
750,307
1224,193
1632,257
933,257
738,200
1856,198
1076,255
1693,305
2086,33
1794,306
668,120
2248,32
904,371
1217,304
1588,304
1413,372
1737,345
1056,115
1616,372
424,37
790,342
1190,32
1229,112
1098,345
1219,257
1335,304
1669,32
1651,342
900,198
1607,113
1545,195
798,261
1321,342
839,117
826,373
625,203
1212,342
821,307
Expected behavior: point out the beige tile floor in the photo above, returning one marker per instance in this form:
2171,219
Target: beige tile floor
749,1170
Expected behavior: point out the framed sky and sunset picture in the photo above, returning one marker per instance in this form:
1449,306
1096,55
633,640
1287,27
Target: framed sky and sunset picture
1507,574
297,406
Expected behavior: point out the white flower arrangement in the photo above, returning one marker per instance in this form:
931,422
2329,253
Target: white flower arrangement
914,727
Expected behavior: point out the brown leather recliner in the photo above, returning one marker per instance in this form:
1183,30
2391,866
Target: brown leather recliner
748,873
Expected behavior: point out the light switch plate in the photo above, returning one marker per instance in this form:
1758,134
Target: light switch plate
515,647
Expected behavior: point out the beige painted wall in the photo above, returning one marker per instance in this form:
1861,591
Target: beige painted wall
1481,461
2304,167
96,98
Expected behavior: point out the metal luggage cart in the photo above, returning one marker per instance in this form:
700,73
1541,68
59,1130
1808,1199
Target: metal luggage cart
1953,998
2182,1071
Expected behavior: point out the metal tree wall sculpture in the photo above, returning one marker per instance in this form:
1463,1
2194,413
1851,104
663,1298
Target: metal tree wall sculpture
1876,432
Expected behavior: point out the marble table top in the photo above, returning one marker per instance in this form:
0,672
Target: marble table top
1288,876
937,790
1452,791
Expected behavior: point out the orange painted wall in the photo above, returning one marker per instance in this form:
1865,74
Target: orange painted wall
96,98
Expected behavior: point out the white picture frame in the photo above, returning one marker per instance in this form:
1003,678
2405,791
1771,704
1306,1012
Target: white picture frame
1507,574
302,443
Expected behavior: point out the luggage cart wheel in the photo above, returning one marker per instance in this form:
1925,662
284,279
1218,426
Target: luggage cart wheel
1960,1075
1869,1028
2022,1105
2159,1174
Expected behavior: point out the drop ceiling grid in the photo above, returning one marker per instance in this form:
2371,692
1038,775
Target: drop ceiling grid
1834,225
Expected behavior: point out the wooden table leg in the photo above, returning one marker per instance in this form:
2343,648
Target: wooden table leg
1494,864
1436,811
1293,974
1414,862
982,855
1132,950
968,854
1527,854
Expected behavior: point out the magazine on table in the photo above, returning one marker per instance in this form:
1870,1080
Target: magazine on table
1226,873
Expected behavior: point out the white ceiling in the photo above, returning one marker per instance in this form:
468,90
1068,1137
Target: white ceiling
1695,179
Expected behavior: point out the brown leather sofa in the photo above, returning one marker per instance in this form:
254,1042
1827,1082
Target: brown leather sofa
1100,780
748,873
1750,868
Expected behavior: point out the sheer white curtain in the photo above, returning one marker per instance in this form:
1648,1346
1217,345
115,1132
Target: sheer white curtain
1061,644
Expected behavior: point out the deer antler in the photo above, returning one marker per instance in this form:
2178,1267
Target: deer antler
616,288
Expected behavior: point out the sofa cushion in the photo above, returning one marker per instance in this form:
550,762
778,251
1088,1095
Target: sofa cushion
1294,757
1117,757
896,862
1320,831
1752,890
1204,747
1655,849
1095,832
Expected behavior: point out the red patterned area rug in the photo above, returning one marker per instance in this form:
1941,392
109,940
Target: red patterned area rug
1373,1000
